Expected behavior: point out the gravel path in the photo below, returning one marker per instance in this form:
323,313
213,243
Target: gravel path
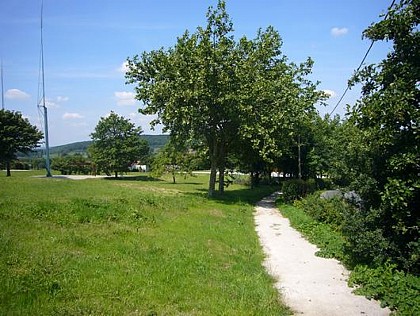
310,285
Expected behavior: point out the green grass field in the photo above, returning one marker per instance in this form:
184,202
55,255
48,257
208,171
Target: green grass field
134,246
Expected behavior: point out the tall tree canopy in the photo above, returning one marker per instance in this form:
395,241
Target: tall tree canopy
117,144
387,117
222,93
16,135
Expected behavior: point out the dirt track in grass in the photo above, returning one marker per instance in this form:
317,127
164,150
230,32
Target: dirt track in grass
309,285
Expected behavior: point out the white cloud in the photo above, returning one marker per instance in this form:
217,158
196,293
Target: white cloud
54,103
72,116
330,93
124,67
337,31
62,99
50,103
125,98
16,94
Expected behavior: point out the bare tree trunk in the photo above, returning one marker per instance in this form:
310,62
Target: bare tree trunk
8,174
212,182
213,168
221,180
222,169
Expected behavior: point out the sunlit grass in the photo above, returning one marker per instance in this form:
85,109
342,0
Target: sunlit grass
134,246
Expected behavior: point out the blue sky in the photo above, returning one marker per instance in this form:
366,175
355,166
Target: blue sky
86,43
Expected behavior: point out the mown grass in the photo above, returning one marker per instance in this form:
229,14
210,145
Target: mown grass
134,246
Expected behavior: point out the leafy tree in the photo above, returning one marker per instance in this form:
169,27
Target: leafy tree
16,135
116,144
219,92
387,118
330,152
174,159
278,100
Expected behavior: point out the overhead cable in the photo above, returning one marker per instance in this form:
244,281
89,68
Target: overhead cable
361,63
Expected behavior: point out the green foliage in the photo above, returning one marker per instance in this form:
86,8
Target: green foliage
387,120
16,135
323,183
174,159
366,241
329,211
230,97
296,189
116,144
396,289
75,164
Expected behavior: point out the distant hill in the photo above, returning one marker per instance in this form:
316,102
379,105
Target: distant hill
70,149
155,142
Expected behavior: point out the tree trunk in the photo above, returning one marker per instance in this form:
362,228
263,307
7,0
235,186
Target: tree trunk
116,174
213,167
8,174
173,178
221,180
222,169
212,182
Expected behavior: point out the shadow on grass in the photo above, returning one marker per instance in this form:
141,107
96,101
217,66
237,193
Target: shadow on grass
246,195
187,183
134,178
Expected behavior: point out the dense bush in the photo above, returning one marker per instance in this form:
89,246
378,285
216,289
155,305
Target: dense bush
323,183
19,165
296,189
365,238
328,211
75,164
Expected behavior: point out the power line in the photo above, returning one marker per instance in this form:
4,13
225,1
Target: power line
361,63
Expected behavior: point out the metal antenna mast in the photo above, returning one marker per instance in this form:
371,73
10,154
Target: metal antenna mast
47,146
2,87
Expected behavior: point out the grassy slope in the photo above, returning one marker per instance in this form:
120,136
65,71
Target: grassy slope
129,247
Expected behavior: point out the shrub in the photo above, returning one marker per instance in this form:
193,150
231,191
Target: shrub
297,189
328,211
393,288
365,238
323,183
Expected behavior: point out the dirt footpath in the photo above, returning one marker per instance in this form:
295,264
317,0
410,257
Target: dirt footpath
310,285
